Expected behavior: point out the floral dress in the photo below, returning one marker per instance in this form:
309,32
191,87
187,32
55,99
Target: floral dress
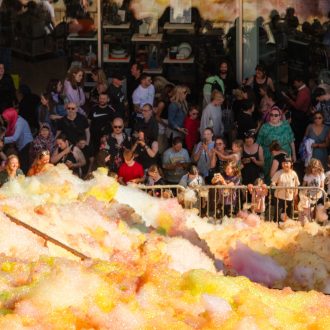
269,133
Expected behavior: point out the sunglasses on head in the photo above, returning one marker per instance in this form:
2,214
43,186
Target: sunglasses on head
44,153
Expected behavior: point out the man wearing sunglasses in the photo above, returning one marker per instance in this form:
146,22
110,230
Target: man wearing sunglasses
115,143
73,124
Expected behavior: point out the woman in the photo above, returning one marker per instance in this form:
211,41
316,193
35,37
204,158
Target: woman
11,170
41,163
267,102
145,152
279,130
161,114
278,157
212,114
192,178
203,152
177,111
18,132
191,124
217,162
57,99
101,85
43,141
73,88
68,154
252,159
259,80
320,134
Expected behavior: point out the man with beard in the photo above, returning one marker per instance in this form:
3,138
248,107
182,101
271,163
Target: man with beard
100,118
227,77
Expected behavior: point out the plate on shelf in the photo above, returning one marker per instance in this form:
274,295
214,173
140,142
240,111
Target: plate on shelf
113,55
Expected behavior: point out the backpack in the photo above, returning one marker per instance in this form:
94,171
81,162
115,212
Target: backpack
215,85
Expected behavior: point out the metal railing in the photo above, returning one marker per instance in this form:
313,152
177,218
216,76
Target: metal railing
272,203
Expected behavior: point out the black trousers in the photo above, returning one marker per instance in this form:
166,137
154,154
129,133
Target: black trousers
24,158
283,206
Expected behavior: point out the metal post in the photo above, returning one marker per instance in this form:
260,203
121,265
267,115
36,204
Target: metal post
99,33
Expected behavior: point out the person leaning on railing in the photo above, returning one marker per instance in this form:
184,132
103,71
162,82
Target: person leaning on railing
284,197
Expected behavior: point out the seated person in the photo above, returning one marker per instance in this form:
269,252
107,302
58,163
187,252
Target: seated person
40,164
68,154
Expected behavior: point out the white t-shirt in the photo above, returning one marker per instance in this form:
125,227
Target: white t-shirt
49,8
142,95
285,179
311,180
327,181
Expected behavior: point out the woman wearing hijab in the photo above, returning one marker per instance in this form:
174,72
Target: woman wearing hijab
19,133
43,141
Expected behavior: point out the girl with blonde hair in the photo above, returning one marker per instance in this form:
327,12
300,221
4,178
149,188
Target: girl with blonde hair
177,111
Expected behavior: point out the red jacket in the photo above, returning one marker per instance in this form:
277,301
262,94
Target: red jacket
302,101
192,126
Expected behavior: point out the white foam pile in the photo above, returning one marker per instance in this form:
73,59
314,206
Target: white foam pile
134,280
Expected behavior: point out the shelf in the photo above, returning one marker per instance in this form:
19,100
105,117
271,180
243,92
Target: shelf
177,26
147,38
153,71
168,60
117,60
124,26
76,37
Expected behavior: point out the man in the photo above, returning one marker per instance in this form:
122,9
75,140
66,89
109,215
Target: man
7,89
117,96
300,107
212,82
115,143
148,124
100,118
245,120
227,77
212,114
73,124
175,161
144,93
88,153
134,82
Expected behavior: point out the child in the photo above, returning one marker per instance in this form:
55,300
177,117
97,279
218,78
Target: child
314,177
258,192
191,124
286,177
231,178
130,171
327,178
236,155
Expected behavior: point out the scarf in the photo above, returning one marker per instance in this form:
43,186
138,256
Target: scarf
10,115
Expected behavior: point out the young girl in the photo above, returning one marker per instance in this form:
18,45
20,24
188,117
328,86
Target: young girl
258,193
236,155
314,177
191,124
228,197
286,177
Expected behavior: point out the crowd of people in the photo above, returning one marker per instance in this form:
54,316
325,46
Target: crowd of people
152,134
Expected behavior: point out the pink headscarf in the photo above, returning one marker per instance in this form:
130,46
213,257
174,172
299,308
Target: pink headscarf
10,115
